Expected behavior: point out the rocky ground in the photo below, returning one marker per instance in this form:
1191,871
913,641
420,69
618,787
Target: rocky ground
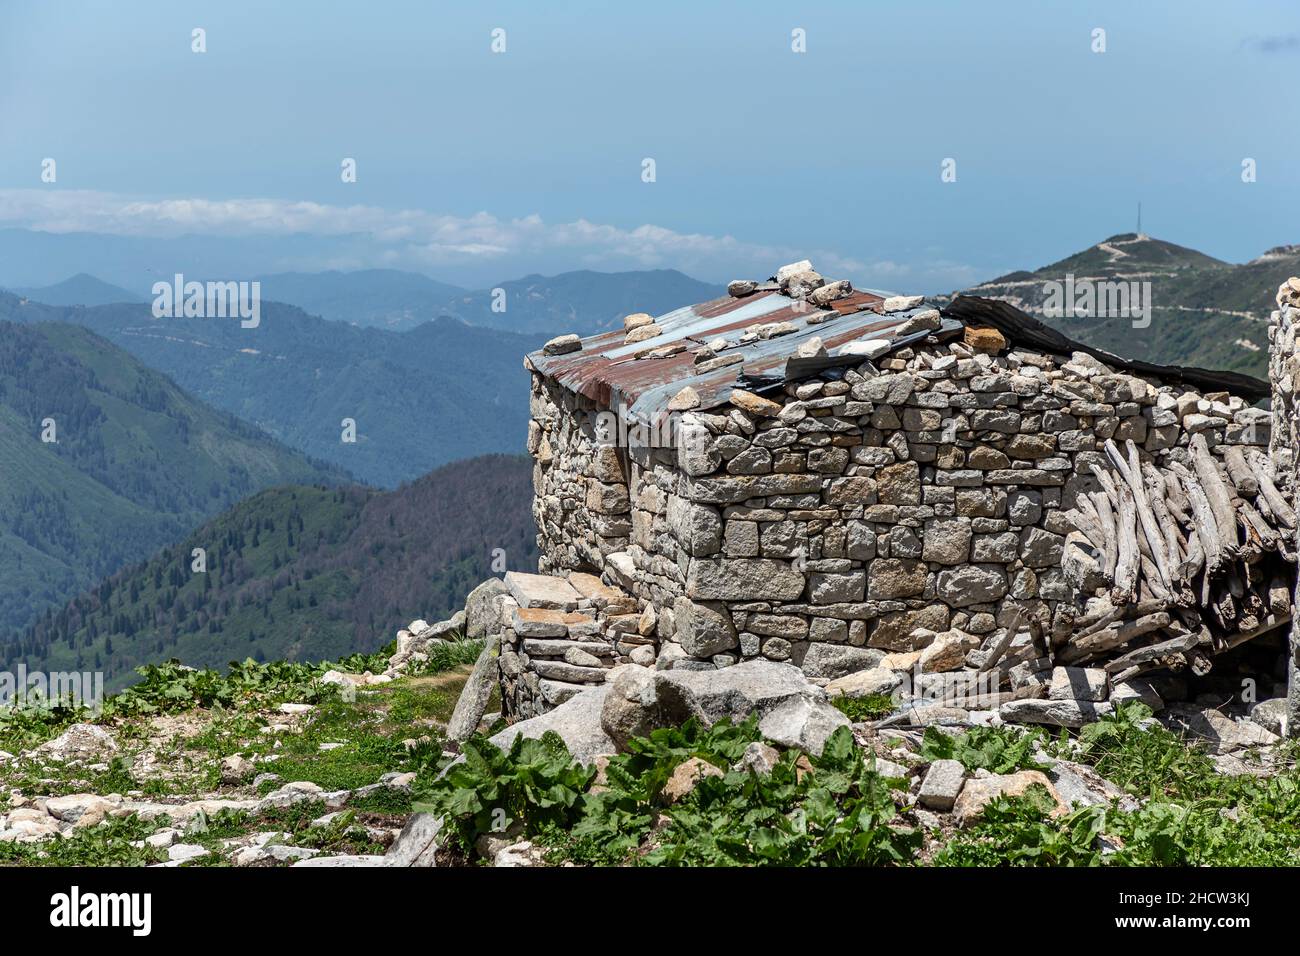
269,766
364,764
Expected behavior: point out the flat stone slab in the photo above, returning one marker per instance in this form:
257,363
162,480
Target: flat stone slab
1053,713
1078,683
601,595
541,591
572,673
539,622
543,647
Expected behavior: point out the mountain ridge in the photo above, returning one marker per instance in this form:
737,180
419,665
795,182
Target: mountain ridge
299,573
103,459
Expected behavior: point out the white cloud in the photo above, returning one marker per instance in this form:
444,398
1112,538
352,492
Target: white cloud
420,239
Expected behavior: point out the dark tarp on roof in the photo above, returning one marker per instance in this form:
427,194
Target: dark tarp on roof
1025,330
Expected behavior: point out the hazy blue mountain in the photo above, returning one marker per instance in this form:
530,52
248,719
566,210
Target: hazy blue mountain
387,298
81,289
584,302
422,398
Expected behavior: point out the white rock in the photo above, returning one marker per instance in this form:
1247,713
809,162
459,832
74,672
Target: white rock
942,784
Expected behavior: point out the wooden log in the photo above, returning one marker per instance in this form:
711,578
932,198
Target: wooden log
1263,471
1168,528
1114,636
1199,662
1270,623
1153,584
1216,489
1175,645
1203,520
1195,557
1085,518
1132,473
1103,611
1106,515
1279,597
1177,497
999,650
1266,539
1243,477
1129,561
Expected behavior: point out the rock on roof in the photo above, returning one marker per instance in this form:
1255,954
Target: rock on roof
753,338
789,327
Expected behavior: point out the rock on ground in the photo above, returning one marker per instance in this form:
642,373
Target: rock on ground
942,784
1222,732
790,710
79,742
979,792
577,721
474,697
1054,713
418,843
1080,786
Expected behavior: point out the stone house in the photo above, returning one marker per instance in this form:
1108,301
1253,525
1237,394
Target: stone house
806,472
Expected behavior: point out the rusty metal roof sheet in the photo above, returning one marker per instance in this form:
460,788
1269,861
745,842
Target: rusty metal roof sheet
614,374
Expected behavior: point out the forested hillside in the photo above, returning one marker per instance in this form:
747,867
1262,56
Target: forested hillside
103,460
300,573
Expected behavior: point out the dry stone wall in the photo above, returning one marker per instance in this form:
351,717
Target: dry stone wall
1284,373
560,634
866,512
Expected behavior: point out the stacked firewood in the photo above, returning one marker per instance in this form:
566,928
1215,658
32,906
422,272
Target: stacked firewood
1198,556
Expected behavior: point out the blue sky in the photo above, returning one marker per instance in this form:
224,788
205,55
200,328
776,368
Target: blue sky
475,167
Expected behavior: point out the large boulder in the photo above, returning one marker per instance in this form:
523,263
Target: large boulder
577,721
480,611
790,710
80,742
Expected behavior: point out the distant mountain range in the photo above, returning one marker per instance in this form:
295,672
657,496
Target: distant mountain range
103,460
385,298
583,302
1205,312
299,573
81,289
422,398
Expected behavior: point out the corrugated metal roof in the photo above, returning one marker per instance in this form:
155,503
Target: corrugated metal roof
613,374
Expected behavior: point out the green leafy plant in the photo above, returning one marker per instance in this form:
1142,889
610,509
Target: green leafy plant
535,783
870,707
1019,831
995,749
